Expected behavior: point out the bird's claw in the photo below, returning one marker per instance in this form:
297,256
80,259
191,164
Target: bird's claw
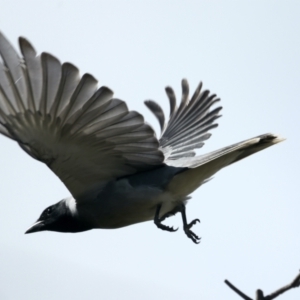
158,221
165,227
190,234
192,223
186,226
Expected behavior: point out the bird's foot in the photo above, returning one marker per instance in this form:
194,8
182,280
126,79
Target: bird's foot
165,227
187,226
157,221
190,234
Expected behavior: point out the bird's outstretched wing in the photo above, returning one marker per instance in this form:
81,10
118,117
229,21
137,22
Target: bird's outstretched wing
62,119
188,126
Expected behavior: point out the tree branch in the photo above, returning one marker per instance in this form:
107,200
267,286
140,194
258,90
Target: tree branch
293,284
245,297
260,294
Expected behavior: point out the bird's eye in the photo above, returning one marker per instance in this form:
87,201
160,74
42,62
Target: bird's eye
48,211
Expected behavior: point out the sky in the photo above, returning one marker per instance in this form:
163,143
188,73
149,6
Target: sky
247,52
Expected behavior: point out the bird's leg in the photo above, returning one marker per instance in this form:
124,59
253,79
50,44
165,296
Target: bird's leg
171,213
158,220
187,227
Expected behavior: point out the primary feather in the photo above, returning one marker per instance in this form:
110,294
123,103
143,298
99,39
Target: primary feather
188,126
85,136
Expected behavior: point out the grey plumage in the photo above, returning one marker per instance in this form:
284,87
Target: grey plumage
188,126
116,169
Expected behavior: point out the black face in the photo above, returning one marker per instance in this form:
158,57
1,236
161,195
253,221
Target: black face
58,218
47,213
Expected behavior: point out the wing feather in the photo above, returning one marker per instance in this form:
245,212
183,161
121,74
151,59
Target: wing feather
188,126
33,74
85,136
67,87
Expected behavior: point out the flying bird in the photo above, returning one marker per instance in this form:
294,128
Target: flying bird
116,169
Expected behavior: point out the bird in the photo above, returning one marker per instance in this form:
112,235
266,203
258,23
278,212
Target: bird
117,170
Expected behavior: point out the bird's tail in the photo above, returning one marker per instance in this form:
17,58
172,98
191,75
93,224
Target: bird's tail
200,168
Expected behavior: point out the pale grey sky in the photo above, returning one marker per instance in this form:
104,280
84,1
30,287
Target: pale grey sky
245,51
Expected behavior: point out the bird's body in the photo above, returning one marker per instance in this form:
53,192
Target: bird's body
129,200
116,169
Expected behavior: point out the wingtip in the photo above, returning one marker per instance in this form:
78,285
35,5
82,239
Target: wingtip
23,40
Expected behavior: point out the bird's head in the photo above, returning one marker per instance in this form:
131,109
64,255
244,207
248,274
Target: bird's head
61,217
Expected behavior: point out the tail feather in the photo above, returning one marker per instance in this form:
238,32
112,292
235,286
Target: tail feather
200,168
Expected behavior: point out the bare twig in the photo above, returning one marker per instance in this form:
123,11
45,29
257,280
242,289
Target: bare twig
245,297
293,284
260,294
